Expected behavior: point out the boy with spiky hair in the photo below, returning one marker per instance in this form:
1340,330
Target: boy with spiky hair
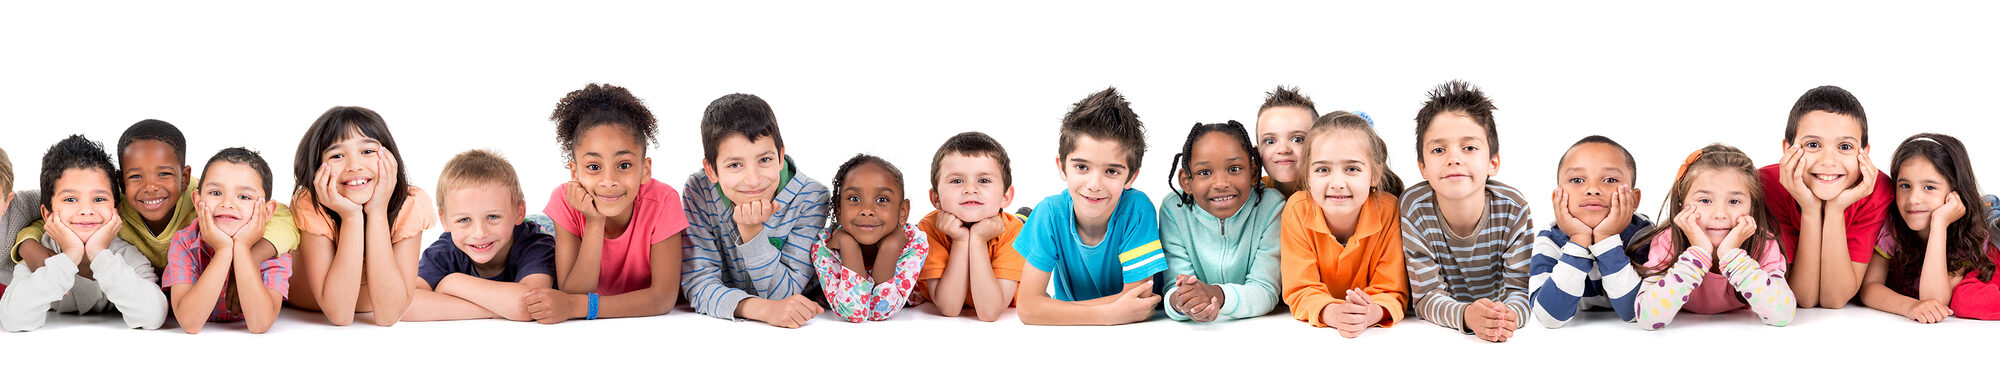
1092,251
1466,237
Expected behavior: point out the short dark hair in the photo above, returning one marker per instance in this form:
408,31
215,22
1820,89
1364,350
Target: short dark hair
602,104
1105,116
737,114
151,129
1830,99
1285,96
1458,96
1630,163
973,144
334,126
76,152
239,155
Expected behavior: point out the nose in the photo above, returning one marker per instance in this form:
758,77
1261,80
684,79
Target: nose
865,212
1593,189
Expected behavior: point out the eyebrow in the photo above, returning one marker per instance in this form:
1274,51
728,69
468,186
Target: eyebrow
620,152
1107,165
1814,137
1223,160
766,152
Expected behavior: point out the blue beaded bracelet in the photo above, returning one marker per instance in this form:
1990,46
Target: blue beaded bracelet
593,307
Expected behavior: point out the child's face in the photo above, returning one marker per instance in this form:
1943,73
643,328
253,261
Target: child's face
1219,174
1096,175
1832,145
154,178
1281,137
1920,189
971,188
1457,157
747,170
1591,175
84,201
481,220
1718,198
612,163
872,205
1340,173
358,159
233,193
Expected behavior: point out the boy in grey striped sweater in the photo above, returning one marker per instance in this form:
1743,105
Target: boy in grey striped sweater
1466,239
751,217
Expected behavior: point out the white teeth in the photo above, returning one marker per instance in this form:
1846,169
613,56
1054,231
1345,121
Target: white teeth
1827,177
357,182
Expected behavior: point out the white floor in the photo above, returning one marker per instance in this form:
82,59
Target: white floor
1854,337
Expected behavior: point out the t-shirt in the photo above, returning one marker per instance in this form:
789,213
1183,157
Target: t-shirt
1129,253
188,257
1006,261
533,252
417,214
627,263
1864,219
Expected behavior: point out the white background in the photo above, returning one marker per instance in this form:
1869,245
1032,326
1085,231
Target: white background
897,79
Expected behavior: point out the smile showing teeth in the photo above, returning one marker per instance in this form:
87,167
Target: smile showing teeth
1827,177
153,202
481,247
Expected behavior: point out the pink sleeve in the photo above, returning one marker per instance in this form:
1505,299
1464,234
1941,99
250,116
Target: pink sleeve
560,213
1772,260
671,218
1660,250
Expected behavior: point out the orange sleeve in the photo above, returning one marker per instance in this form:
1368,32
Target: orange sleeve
1006,261
1391,285
1305,293
940,249
308,216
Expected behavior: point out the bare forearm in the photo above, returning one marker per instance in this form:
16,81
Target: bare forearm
1839,279
1936,281
428,306
260,304
987,300
193,306
34,253
498,298
387,288
1805,269
341,288
948,293
1044,310
583,272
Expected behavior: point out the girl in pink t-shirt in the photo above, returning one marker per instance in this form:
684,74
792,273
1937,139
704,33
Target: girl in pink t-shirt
1718,254
618,235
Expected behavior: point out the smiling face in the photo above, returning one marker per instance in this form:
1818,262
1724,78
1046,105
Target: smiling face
153,179
971,188
612,164
358,160
1457,158
1339,175
1097,176
232,192
1281,137
1832,145
1219,175
1591,175
83,200
1718,198
747,170
1920,189
872,205
481,220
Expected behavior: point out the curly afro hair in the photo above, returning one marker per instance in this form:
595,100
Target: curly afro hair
602,104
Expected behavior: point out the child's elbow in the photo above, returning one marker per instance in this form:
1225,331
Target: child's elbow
340,320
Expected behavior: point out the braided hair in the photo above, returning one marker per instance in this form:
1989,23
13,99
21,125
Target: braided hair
840,178
1185,159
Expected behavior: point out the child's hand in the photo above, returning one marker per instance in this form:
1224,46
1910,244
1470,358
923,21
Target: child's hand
1577,230
953,227
840,240
549,306
210,234
327,192
584,201
67,242
1860,190
1199,301
1489,320
893,244
1624,203
1792,175
988,228
385,181
1356,315
101,240
1928,311
252,231
1136,304
1745,227
750,217
790,312
1690,224
1942,217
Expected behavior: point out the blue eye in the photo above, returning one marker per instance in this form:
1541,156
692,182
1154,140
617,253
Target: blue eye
464,220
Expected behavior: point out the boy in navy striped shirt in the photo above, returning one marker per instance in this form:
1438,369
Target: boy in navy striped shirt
1580,262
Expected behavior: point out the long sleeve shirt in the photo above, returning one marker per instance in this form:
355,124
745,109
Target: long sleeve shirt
1565,276
1448,271
1238,254
719,269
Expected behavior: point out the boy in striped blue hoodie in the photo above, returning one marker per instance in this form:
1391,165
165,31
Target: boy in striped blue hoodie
1580,262
751,218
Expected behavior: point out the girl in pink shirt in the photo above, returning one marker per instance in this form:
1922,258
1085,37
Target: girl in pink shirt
1719,253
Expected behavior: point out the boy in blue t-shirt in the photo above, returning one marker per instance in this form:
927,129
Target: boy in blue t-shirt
488,257
1092,251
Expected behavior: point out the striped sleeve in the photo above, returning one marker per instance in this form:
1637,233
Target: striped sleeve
1615,270
1142,256
701,253
1515,278
779,260
1432,298
1557,273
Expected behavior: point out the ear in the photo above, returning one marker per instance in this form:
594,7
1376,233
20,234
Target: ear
9,199
934,200
1007,199
903,215
1493,169
520,210
1063,174
187,175
647,174
708,169
1132,179
573,171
